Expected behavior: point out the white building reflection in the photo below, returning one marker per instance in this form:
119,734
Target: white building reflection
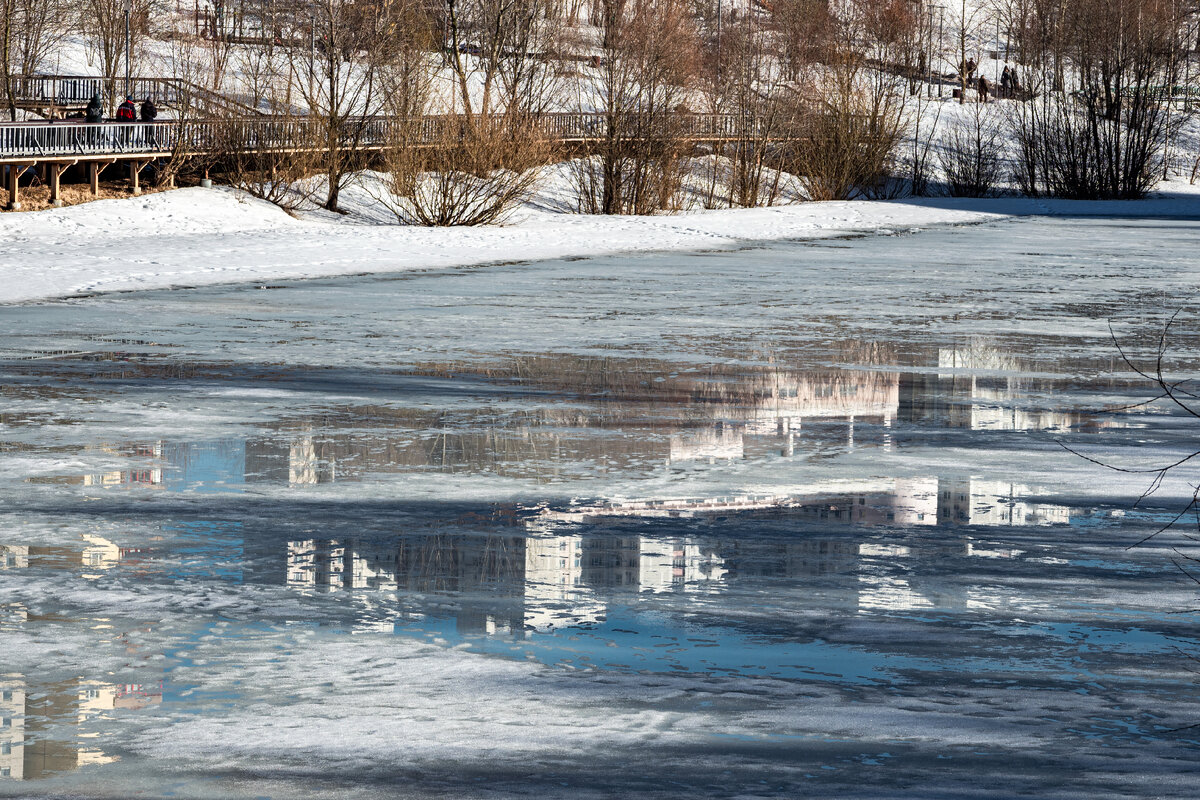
903,501
149,474
571,563
37,722
656,414
540,581
44,725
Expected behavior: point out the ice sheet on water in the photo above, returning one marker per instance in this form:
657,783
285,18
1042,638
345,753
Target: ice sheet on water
593,523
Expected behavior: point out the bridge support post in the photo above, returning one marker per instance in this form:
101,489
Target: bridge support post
94,170
13,184
54,173
10,183
135,172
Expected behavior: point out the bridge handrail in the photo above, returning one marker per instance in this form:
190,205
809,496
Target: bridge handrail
75,90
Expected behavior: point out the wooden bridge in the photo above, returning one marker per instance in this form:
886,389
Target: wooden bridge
53,146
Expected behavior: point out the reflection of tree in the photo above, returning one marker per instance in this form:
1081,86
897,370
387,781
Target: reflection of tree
1179,393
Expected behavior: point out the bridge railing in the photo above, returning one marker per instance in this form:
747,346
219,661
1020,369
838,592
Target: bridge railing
76,90
68,139
61,90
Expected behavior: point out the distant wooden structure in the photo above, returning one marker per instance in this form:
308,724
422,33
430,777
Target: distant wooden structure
54,96
52,146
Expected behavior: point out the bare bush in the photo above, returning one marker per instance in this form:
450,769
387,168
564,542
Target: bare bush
1107,137
849,98
972,154
647,65
466,170
850,142
270,160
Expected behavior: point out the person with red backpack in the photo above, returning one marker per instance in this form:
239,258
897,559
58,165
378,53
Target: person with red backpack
126,111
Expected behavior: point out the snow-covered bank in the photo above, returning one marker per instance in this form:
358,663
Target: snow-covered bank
194,237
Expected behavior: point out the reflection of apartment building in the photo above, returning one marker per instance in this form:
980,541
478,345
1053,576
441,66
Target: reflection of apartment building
555,596
150,475
790,558
539,582
611,561
707,444
972,390
968,501
421,563
14,556
99,553
777,404
12,727
899,501
96,553
12,615
677,565
33,720
301,460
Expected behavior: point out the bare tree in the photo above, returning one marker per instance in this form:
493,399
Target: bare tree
354,46
804,31
923,131
856,115
504,48
972,153
103,26
41,26
748,81
8,35
646,65
1107,138
29,31
969,20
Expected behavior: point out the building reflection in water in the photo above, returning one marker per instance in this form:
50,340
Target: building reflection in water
93,554
535,582
33,718
34,715
649,413
569,566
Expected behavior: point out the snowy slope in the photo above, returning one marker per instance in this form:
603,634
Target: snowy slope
196,236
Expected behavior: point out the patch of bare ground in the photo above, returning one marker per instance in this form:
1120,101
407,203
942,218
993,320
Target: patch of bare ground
37,197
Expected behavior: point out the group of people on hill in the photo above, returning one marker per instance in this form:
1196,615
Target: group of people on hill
1009,84
126,112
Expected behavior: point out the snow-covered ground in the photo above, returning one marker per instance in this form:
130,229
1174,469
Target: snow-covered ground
193,237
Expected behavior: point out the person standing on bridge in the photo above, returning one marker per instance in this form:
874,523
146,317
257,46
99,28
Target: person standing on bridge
148,114
93,115
95,110
126,112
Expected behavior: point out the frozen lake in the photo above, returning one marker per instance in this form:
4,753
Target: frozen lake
783,521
